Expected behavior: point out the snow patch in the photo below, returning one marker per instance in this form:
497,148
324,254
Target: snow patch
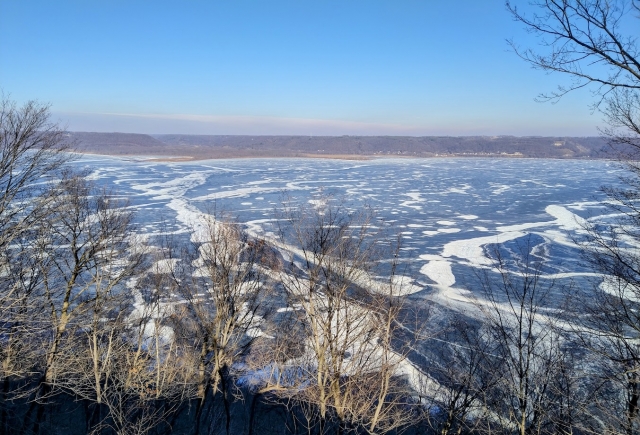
440,272
446,223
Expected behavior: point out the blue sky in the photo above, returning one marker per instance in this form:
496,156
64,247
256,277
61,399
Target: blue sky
403,67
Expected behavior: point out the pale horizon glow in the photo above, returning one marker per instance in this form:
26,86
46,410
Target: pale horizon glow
271,126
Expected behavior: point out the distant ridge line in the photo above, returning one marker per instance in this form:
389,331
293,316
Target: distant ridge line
242,146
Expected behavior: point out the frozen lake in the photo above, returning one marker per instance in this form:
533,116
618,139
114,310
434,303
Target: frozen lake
452,213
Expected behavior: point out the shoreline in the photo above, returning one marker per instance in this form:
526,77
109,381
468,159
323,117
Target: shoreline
349,157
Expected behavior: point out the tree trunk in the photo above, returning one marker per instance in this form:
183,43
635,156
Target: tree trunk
201,405
252,412
225,397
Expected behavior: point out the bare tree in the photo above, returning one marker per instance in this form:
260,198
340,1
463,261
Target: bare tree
31,150
595,44
609,328
86,253
223,292
585,40
90,252
123,361
67,254
526,345
347,374
462,377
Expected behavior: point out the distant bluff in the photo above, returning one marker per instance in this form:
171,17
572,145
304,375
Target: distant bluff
210,146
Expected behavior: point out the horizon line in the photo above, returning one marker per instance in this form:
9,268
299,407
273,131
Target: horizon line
343,135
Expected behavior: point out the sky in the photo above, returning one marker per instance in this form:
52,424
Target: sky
299,67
